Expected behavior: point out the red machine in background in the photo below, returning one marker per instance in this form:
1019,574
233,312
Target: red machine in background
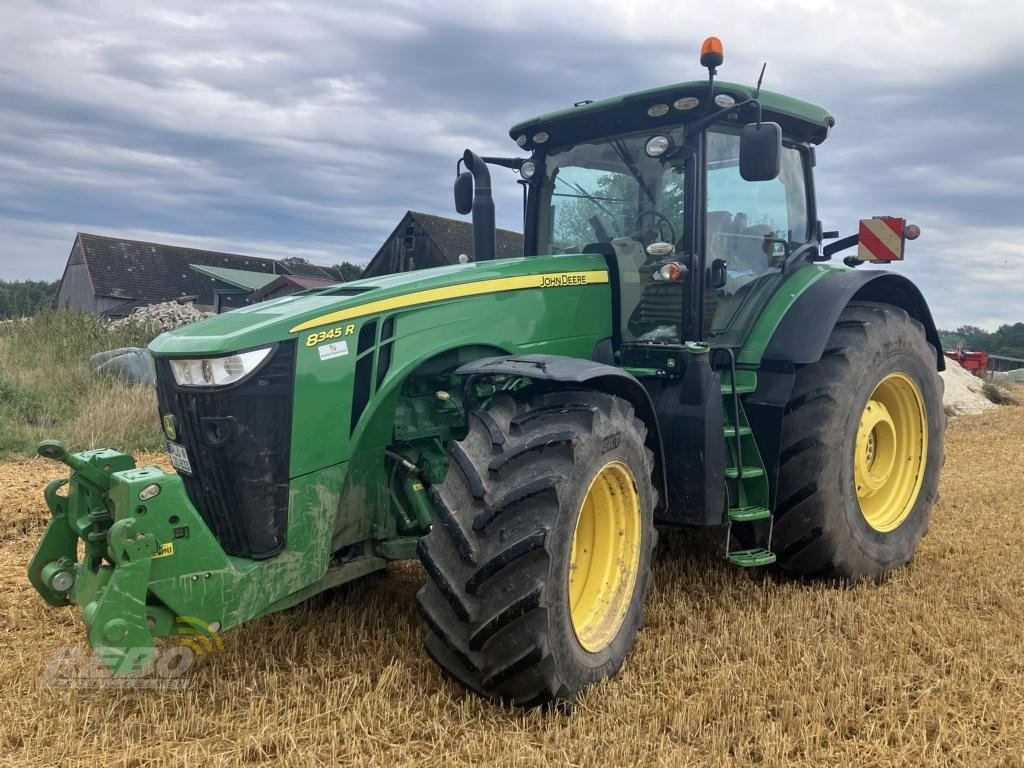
975,362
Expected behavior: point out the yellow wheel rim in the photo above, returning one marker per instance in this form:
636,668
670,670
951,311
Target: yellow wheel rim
891,452
605,556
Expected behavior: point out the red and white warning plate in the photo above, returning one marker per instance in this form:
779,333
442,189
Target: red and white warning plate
881,239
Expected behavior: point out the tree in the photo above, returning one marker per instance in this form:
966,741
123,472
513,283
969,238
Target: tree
27,297
616,201
948,339
1007,340
293,260
613,204
974,338
349,271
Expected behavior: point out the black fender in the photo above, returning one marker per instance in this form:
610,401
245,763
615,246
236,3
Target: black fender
801,336
576,371
800,339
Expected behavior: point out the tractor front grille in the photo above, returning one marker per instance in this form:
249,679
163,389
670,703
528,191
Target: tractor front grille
238,440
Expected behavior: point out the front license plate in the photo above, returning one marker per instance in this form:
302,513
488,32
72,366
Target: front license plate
179,457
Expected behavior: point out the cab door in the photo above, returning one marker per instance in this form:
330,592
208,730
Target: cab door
749,229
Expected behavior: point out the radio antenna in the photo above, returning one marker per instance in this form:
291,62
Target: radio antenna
757,91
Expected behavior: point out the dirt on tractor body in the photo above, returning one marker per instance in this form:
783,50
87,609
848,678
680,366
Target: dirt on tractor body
731,668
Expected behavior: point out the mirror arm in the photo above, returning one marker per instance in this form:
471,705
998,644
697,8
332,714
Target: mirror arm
526,186
704,122
515,163
841,245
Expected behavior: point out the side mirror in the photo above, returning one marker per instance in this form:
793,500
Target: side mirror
760,151
464,192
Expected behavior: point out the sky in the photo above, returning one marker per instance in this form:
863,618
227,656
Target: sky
308,128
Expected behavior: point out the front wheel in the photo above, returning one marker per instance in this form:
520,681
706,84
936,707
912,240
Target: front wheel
862,447
540,558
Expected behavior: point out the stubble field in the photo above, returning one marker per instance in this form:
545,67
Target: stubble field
731,668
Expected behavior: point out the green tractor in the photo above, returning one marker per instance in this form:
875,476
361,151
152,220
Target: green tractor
672,352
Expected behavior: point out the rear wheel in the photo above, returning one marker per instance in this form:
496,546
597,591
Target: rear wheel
861,449
540,559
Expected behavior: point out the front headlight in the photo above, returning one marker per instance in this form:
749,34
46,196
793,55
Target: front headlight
218,371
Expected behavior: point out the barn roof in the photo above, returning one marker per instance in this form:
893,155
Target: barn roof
134,269
240,278
299,281
455,237
451,237
149,272
313,270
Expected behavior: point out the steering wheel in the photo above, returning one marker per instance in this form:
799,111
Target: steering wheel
660,217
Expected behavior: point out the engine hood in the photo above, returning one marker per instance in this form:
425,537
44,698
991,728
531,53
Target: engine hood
293,316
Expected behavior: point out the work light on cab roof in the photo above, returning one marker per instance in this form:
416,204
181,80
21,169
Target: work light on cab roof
520,425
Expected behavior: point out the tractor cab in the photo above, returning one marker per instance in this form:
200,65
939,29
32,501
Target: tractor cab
655,181
699,195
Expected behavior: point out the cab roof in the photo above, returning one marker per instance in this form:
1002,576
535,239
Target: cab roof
800,120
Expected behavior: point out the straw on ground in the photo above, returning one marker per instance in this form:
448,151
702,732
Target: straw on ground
926,669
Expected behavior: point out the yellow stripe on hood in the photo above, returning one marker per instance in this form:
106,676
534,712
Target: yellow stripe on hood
460,291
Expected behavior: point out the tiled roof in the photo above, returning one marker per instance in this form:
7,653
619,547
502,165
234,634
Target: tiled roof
132,269
300,281
313,270
455,237
450,237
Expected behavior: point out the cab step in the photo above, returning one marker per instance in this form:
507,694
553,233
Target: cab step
733,473
749,514
731,431
751,558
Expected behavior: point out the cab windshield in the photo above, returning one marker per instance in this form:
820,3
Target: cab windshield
612,191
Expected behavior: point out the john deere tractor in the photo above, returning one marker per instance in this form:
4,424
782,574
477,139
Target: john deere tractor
672,350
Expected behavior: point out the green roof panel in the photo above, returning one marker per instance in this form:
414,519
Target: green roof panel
240,278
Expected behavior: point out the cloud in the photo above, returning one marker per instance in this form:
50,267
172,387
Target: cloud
309,128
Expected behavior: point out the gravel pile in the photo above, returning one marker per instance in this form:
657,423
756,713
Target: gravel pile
963,395
166,316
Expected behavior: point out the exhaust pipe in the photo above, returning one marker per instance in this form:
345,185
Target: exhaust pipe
484,236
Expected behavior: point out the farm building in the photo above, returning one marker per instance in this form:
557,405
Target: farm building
285,285
422,240
113,276
232,287
1003,364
